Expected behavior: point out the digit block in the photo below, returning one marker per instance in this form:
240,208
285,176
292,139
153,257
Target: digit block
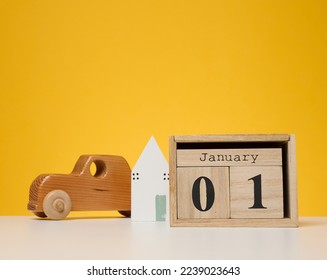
195,194
256,192
233,180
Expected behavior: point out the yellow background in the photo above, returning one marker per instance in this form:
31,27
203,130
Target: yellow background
80,77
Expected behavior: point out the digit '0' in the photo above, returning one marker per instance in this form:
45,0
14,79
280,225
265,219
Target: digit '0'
210,193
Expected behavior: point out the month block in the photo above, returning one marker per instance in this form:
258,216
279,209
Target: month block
233,180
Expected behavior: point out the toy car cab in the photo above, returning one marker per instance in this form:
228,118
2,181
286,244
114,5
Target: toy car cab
55,195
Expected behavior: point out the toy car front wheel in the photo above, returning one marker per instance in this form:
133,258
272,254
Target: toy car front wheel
57,205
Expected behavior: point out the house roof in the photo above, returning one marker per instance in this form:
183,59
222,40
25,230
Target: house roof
152,157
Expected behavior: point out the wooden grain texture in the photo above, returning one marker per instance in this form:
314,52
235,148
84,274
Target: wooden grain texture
229,157
172,181
292,198
232,138
186,177
108,189
250,222
242,196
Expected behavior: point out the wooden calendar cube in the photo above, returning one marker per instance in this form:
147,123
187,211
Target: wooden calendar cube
233,180
256,192
197,196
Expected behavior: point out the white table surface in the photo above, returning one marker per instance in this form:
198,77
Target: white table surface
120,238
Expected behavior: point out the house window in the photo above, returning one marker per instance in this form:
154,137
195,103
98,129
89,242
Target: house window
135,176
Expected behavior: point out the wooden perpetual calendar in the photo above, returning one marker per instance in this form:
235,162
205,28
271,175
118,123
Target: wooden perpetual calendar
233,180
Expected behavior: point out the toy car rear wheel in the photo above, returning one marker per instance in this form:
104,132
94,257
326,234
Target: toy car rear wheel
57,205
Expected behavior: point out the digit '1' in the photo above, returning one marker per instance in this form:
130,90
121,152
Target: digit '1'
257,193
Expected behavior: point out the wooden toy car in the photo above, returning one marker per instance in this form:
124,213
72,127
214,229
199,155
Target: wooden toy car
55,195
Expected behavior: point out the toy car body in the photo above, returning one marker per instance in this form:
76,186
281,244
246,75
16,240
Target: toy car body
55,195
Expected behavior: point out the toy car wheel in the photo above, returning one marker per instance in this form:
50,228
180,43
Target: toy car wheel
57,205
125,213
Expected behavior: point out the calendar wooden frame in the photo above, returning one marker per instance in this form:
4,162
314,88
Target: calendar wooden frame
284,141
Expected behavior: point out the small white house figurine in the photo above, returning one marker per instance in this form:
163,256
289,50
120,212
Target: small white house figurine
150,185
